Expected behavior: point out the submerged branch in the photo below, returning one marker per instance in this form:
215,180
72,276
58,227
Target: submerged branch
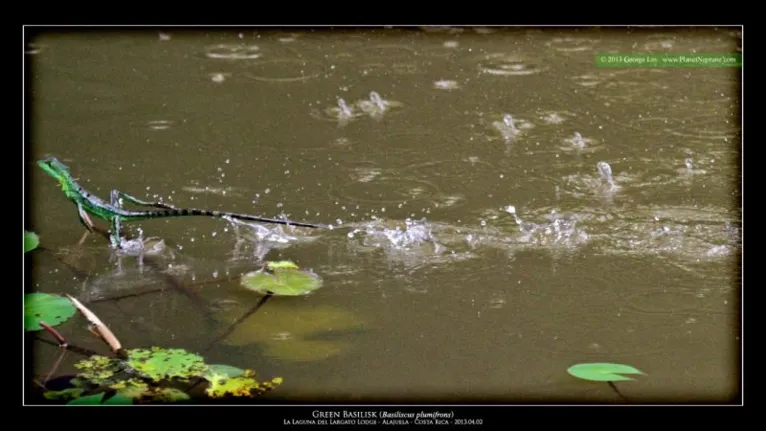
234,325
159,289
166,278
71,347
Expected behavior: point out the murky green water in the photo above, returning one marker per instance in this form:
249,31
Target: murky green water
518,259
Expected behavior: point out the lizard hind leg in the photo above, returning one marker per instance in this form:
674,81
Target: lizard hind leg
116,195
114,238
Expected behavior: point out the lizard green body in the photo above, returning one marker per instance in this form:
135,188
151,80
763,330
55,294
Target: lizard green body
113,212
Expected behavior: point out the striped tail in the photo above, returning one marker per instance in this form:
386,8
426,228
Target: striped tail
198,212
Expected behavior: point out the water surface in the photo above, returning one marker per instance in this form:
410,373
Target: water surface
469,260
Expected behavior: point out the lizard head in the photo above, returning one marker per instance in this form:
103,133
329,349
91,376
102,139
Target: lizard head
53,167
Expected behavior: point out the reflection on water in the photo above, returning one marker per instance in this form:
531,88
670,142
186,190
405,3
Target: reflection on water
501,208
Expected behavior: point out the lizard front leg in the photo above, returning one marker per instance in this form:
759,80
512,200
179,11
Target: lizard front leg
84,218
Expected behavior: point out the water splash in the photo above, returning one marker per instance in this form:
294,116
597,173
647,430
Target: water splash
552,117
507,128
344,111
605,172
578,141
580,144
414,232
376,106
524,227
269,236
341,113
511,128
689,169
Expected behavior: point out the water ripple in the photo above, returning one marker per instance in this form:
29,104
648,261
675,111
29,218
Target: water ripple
233,51
387,187
572,44
503,64
285,70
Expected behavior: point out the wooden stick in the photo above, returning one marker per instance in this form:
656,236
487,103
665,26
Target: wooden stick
60,338
97,326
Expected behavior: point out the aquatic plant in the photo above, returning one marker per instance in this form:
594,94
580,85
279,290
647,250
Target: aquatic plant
604,372
31,241
282,278
155,375
47,309
140,375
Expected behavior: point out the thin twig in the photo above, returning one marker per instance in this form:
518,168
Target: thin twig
55,367
71,347
237,322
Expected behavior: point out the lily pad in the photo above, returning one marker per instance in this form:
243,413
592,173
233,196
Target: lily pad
159,364
51,309
602,372
31,241
118,400
282,281
88,400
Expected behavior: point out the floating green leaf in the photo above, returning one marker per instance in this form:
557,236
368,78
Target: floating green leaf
31,241
64,394
242,386
127,381
282,281
99,370
51,309
88,400
158,363
131,388
602,371
216,370
281,264
168,395
119,400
